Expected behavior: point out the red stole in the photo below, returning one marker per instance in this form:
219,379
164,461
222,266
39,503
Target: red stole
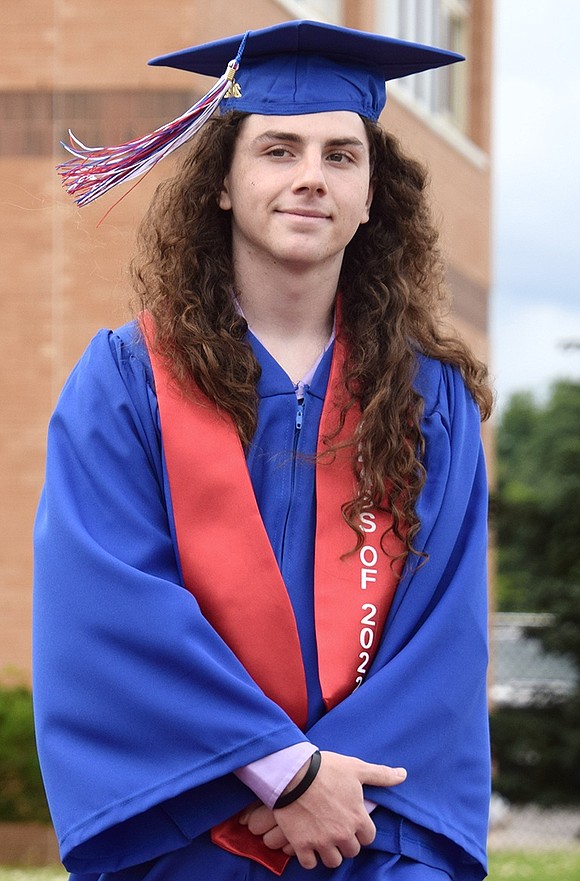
229,566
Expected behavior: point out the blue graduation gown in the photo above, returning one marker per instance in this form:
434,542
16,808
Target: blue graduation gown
143,711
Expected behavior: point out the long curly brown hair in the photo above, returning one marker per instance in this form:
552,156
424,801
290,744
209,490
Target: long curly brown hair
393,298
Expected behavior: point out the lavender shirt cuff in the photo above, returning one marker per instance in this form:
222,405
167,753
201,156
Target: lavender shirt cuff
269,776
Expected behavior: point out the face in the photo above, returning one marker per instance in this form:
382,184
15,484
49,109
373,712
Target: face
298,188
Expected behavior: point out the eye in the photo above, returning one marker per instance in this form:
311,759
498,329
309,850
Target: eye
278,152
339,158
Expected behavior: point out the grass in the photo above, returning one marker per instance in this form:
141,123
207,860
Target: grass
533,866
26,873
508,866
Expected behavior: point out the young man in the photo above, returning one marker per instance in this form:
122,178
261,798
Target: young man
260,577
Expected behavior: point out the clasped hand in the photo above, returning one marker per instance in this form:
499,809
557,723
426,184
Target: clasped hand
330,819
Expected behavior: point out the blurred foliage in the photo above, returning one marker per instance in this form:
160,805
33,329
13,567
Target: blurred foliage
537,751
22,796
536,511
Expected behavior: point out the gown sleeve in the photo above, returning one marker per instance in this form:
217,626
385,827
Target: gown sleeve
142,711
423,705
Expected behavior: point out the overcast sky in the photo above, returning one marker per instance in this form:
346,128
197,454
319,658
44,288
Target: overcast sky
536,294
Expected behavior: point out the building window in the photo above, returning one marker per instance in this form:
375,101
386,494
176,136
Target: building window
317,10
443,23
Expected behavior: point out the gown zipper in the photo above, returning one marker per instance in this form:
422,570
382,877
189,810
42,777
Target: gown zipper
298,422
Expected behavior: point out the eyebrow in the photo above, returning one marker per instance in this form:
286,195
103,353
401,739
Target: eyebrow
293,138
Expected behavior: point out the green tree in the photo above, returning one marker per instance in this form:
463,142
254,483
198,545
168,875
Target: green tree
537,519
537,509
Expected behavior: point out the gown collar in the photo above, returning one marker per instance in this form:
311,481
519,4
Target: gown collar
275,381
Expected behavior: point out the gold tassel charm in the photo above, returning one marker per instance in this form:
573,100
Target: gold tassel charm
234,90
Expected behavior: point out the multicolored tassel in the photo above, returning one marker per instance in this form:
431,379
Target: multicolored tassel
95,170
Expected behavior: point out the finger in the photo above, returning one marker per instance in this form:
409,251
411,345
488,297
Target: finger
275,839
351,848
366,832
247,812
380,775
261,820
331,857
307,859
289,850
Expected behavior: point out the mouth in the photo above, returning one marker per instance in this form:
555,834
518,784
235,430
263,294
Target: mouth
307,213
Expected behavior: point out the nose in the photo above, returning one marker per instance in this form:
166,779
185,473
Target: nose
309,173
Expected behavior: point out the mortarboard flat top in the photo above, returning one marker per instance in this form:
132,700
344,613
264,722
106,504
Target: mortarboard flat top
309,67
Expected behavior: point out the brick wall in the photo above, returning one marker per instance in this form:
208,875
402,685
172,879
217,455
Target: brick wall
61,277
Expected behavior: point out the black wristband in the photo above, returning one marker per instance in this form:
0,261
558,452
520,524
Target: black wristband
313,768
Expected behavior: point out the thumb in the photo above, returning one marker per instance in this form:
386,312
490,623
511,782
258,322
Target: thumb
380,775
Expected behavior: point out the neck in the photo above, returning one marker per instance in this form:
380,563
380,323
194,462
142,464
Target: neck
290,313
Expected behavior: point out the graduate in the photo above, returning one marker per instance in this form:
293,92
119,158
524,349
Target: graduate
260,586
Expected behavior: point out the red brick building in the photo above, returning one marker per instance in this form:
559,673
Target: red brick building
83,65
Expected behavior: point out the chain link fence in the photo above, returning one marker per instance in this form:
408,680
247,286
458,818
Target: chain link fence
535,739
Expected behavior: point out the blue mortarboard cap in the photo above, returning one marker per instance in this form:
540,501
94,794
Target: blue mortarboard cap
309,67
289,69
